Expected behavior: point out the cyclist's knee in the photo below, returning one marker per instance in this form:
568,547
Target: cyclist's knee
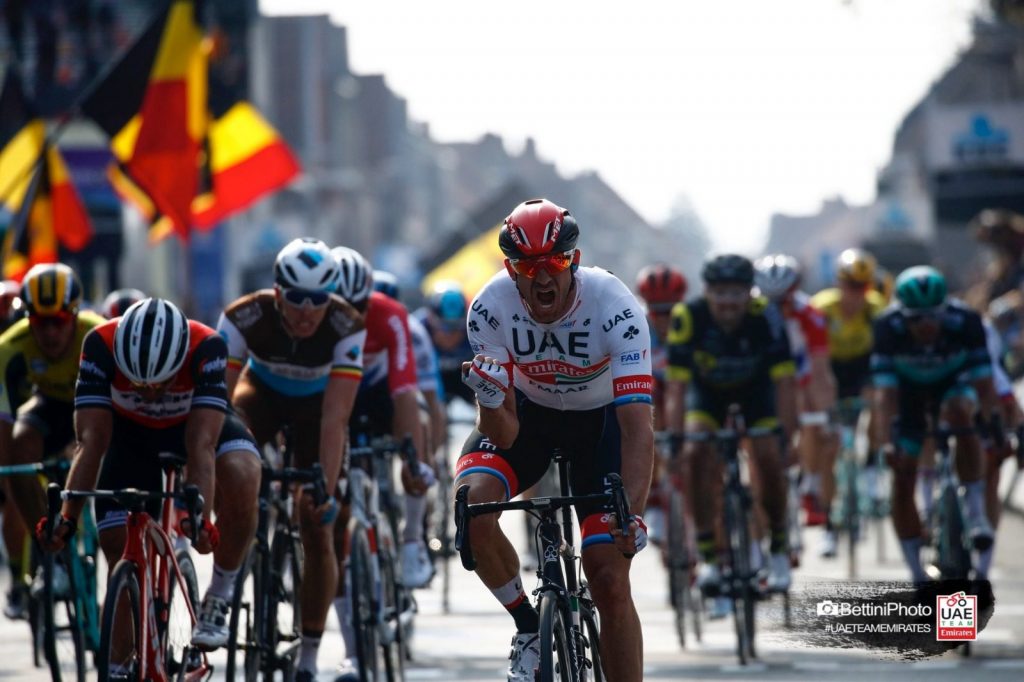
609,584
959,411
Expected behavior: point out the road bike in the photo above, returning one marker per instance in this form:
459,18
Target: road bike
64,622
148,612
679,552
381,607
569,635
266,617
740,578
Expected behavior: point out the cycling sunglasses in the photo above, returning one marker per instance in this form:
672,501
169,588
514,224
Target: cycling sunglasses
921,314
58,319
552,263
306,297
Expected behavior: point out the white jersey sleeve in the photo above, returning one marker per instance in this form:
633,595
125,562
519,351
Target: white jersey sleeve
427,373
238,348
1002,382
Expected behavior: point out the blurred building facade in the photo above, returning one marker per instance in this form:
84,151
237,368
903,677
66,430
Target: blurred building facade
959,150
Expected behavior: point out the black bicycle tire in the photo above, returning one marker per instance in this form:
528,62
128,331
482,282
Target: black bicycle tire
678,565
851,515
362,601
285,554
187,568
48,605
740,576
122,578
553,640
249,649
592,648
954,557
394,654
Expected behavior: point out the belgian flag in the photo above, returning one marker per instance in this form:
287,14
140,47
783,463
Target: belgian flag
35,187
153,105
187,153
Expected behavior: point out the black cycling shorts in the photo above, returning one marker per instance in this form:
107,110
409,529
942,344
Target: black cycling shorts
591,438
373,411
852,375
711,406
132,460
266,412
54,419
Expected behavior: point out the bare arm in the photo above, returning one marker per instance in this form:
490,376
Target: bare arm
339,396
93,429
823,384
675,406
438,421
883,408
785,398
6,442
406,422
231,375
636,423
202,430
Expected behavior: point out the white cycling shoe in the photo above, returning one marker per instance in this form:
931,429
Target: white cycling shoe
416,568
524,659
779,575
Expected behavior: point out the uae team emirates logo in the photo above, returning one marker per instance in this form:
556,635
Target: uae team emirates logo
957,616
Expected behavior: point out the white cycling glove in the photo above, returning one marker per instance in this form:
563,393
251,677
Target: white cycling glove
489,381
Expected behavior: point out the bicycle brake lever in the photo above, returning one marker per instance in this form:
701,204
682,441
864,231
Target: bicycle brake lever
194,508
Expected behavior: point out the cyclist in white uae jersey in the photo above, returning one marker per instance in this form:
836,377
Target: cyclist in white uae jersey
573,344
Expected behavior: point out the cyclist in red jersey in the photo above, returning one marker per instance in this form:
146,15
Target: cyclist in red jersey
152,381
778,278
661,287
386,403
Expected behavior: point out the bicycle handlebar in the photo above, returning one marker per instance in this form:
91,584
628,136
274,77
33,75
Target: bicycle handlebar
48,468
616,498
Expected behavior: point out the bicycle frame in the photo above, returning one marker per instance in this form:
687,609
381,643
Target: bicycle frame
556,555
151,552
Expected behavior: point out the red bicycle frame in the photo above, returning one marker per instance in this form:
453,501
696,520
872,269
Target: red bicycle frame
151,551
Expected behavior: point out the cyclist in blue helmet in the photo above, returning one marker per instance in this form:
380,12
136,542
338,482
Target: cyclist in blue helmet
444,316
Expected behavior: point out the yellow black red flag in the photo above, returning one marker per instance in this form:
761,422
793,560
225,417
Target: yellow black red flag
35,187
153,104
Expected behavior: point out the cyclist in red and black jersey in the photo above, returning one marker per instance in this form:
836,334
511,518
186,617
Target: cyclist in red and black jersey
152,381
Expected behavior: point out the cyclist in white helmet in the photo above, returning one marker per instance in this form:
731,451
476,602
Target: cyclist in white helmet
152,381
295,358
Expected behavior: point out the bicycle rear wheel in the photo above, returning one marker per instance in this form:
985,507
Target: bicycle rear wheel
678,565
243,649
363,600
555,663
121,649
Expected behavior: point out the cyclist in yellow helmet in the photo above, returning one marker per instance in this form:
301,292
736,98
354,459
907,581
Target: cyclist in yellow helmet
39,357
849,310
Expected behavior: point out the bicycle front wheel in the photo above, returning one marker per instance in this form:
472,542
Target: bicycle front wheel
281,624
363,600
591,646
62,639
243,650
678,564
396,604
954,559
741,581
555,628
121,649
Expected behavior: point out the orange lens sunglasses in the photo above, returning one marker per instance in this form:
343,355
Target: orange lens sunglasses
552,263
